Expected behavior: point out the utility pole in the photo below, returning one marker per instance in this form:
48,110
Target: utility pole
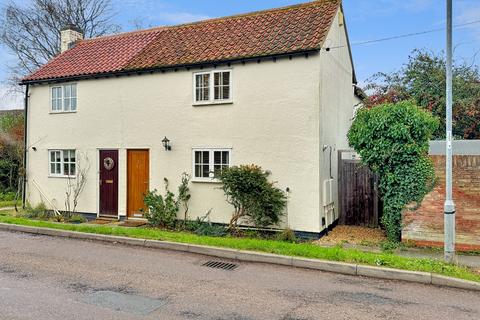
449,206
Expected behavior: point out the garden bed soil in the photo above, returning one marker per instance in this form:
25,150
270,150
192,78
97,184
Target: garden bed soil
353,235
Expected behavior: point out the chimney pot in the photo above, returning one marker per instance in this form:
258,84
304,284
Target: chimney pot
69,35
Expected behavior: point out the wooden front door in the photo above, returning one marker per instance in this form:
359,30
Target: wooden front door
137,181
109,182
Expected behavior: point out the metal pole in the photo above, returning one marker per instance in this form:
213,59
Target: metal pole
449,206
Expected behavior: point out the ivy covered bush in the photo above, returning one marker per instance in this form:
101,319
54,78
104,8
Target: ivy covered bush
254,198
393,140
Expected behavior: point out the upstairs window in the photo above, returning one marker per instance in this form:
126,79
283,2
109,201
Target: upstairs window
64,98
212,87
57,97
63,163
207,162
202,87
221,85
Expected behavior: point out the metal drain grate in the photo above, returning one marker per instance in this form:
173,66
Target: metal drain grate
220,265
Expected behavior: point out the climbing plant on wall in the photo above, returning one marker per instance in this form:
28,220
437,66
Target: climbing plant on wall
393,140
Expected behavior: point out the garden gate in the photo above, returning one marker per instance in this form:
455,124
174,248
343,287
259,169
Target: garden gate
359,202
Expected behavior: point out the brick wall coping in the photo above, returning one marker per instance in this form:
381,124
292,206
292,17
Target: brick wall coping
460,147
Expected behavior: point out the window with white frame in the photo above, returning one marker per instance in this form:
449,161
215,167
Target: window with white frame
221,85
213,87
202,87
64,98
207,162
62,162
57,96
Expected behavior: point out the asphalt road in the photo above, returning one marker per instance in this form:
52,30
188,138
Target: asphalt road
50,278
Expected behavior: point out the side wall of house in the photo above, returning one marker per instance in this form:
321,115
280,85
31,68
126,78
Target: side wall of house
336,108
273,122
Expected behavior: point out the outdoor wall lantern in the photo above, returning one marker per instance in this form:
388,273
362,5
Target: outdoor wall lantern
166,144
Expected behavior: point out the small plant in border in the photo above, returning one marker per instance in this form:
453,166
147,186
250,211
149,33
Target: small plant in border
203,227
77,218
161,209
39,212
184,195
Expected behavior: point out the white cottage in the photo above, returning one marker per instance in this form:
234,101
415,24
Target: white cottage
274,88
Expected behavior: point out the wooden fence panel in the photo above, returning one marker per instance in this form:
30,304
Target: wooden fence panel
358,194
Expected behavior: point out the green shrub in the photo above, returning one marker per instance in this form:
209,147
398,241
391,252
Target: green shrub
253,234
7,196
203,227
287,235
255,198
77,218
162,209
389,246
393,140
39,212
211,230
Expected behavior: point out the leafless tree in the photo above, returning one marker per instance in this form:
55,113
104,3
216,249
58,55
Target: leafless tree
32,31
138,23
76,185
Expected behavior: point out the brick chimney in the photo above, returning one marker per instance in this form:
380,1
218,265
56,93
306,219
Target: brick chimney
69,35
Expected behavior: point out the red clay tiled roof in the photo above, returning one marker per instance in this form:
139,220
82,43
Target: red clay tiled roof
278,31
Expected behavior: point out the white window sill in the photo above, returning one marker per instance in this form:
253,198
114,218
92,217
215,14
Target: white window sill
60,112
61,176
211,103
207,180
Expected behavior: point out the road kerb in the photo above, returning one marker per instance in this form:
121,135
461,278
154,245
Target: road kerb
329,266
394,274
224,253
19,228
54,232
250,256
138,242
454,282
166,245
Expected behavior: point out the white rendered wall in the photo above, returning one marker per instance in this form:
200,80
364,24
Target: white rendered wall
273,122
336,105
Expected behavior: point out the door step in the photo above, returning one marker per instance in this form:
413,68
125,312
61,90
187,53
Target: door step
107,218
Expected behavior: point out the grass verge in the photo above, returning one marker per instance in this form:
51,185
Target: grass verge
306,250
6,204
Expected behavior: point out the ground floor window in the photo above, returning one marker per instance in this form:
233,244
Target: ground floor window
206,162
62,162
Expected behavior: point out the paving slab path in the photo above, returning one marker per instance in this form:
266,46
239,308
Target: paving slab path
44,277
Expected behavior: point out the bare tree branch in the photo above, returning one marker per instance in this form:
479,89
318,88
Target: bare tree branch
76,185
32,31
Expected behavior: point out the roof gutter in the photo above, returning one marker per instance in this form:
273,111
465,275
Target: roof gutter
168,68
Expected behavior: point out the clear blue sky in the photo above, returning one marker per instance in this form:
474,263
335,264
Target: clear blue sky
366,20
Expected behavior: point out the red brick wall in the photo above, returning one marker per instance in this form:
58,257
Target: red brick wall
424,226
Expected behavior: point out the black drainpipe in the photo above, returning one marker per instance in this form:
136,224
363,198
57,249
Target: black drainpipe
24,193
